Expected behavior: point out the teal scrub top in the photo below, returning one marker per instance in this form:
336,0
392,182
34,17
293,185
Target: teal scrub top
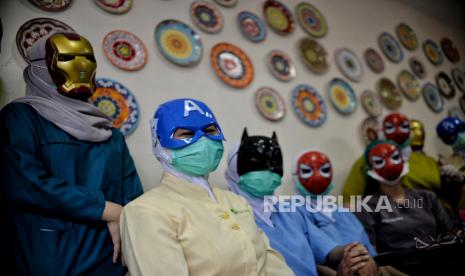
53,192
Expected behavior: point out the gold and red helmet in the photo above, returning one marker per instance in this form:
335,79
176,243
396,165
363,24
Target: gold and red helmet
417,134
71,63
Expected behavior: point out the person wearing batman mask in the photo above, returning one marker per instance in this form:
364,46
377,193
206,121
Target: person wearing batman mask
255,169
185,226
65,173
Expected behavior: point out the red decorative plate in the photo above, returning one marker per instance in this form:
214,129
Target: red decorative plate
125,50
115,6
51,5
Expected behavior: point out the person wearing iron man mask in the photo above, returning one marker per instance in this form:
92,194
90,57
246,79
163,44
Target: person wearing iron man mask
424,173
397,227
61,192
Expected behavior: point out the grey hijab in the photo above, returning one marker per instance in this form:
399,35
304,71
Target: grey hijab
79,119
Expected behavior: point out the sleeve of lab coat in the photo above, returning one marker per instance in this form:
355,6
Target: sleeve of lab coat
27,183
275,263
149,243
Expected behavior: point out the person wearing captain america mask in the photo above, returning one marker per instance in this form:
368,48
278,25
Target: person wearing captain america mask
397,227
185,226
255,169
424,172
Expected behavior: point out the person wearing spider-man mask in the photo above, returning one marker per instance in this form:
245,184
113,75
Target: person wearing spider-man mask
65,172
407,214
255,169
424,172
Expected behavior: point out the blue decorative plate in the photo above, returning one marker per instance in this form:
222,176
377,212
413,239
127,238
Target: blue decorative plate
433,52
342,96
178,43
251,26
433,98
390,47
308,105
118,103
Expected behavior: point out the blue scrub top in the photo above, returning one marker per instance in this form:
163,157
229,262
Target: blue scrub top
53,192
302,245
346,228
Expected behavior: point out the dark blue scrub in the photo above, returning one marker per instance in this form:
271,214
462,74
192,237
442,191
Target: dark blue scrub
301,243
53,192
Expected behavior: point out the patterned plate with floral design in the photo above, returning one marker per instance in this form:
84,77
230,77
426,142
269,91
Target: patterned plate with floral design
371,103
374,60
115,6
407,36
251,26
311,20
409,85
314,55
278,17
206,16
281,65
125,50
270,104
308,105
232,65
342,96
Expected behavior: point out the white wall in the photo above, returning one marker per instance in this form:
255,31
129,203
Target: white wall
354,24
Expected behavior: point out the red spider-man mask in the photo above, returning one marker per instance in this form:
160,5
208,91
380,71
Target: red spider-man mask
396,127
386,161
314,171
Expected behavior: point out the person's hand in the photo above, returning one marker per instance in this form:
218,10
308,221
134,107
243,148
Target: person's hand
111,215
370,269
355,257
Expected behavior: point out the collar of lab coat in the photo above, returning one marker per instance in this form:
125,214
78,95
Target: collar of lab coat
185,188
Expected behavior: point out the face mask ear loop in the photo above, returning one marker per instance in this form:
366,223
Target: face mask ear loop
30,62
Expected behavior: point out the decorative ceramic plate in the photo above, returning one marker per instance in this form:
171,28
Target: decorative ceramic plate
432,52
349,64
407,36
417,67
314,55
432,97
115,6
281,66
178,42
456,112
227,3
232,65
270,104
207,16
36,28
444,83
369,130
278,17
409,85
390,47
125,50
371,103
450,50
118,103
459,79
51,5
342,96
251,26
309,105
374,60
389,94
311,20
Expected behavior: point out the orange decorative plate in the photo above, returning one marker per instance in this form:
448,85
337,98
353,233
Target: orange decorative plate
118,103
308,105
232,65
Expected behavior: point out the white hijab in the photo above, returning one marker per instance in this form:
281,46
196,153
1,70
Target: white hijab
232,177
164,156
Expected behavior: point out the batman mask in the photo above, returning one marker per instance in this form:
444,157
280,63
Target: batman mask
259,153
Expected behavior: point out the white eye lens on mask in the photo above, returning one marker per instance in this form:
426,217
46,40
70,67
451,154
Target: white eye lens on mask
378,162
389,128
395,158
305,171
325,170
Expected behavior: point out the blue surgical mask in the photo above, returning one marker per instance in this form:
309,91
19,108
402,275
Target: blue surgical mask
199,158
304,191
259,183
459,144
